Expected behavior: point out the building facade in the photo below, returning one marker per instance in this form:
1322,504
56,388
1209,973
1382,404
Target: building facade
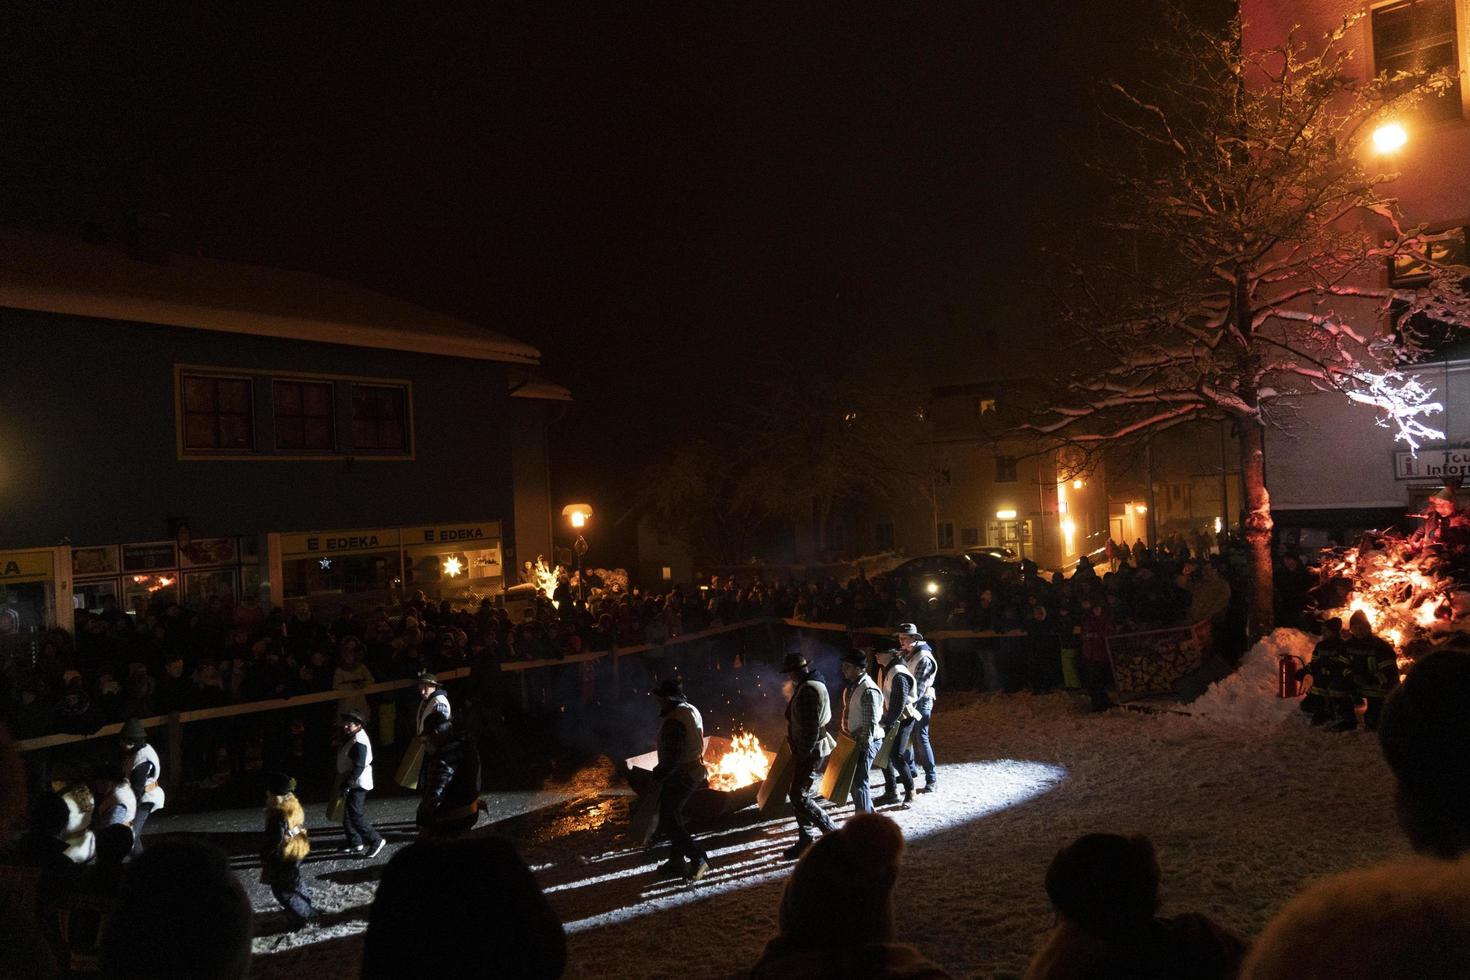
1335,469
189,428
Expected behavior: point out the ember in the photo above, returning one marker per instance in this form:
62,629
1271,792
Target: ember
744,764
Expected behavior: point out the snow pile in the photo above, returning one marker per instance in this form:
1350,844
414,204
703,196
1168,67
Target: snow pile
1247,698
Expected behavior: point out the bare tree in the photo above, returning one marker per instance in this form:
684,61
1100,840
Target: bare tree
1249,236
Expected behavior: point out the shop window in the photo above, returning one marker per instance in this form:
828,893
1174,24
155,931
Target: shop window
944,534
216,413
1005,469
380,419
1419,35
303,415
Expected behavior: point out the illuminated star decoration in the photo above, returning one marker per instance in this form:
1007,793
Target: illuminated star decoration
452,566
325,563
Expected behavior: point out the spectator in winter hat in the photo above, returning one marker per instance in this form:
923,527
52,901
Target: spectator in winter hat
859,865
1425,735
1105,889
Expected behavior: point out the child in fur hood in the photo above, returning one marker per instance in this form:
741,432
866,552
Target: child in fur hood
286,846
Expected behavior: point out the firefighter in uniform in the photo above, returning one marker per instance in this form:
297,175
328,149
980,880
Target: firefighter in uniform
862,720
680,773
1331,697
808,712
921,662
143,771
1375,670
899,715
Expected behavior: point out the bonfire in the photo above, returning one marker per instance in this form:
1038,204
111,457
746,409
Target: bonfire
745,763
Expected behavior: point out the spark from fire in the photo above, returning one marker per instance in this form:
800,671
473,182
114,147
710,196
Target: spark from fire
744,764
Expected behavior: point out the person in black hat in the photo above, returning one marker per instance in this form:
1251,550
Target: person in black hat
286,846
355,765
898,723
433,700
143,771
679,773
862,720
451,782
808,712
920,659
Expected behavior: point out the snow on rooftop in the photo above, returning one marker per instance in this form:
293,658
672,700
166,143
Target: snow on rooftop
58,275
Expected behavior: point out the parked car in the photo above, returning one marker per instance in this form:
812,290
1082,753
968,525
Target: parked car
940,580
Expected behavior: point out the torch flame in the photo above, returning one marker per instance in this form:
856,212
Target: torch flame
744,764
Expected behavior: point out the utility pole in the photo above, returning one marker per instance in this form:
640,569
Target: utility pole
1148,469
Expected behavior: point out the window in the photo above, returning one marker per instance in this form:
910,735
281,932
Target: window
944,534
379,419
883,535
303,414
1005,469
1419,35
970,536
217,413
985,406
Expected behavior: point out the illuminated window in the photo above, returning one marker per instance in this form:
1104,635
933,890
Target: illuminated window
1419,35
303,415
379,419
985,406
217,413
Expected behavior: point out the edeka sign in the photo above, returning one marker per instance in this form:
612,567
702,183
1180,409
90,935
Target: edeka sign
1431,464
469,537
26,566
345,542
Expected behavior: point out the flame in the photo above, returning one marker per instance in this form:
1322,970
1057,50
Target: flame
1404,594
744,764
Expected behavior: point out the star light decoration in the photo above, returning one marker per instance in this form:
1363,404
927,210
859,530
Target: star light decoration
325,563
1402,401
452,566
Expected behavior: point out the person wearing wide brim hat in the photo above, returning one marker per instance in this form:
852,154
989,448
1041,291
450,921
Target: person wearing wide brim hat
355,772
433,700
862,711
899,715
808,713
922,663
143,771
679,774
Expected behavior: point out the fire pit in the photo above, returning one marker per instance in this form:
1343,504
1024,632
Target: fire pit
737,767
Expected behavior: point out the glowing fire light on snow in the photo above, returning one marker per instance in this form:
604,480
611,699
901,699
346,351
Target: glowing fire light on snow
744,764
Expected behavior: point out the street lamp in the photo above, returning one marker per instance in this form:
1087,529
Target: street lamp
577,515
1389,138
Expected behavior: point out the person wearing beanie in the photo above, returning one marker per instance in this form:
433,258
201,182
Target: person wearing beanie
355,772
180,912
286,846
1375,670
856,867
1425,737
680,772
1105,890
808,713
144,773
480,894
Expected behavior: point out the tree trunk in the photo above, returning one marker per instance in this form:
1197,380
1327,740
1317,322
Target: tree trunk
1260,595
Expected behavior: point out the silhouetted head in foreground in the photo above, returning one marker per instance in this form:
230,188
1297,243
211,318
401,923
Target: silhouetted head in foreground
1425,734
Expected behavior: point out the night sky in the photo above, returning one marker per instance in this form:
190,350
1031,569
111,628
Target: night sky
663,197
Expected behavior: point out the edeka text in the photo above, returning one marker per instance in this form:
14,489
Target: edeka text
445,535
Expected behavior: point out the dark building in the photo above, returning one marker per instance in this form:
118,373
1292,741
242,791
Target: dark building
176,426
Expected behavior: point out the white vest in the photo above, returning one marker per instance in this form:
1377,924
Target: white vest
898,667
120,796
344,761
153,792
437,702
687,715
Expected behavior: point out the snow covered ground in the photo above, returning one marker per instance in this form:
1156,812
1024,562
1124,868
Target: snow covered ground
1244,801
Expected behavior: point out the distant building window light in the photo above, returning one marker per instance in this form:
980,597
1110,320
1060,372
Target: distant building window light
380,419
1005,469
668,573
986,406
217,413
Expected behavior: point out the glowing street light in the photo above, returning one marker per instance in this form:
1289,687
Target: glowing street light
1389,138
577,515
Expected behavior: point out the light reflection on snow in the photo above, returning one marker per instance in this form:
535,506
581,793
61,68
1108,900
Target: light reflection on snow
968,792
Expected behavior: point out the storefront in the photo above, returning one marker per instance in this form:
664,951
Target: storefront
35,595
159,572
366,567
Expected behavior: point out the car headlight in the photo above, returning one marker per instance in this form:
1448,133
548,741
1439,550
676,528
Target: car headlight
932,587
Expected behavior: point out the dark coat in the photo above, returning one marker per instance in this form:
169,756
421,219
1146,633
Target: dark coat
451,782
